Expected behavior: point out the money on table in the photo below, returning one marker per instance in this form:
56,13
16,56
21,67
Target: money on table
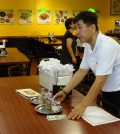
56,117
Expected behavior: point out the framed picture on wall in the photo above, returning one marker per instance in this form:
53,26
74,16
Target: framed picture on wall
115,7
43,17
25,16
60,16
6,16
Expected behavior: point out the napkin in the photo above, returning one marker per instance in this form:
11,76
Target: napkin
97,116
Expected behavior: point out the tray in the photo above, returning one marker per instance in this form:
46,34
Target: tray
3,55
42,110
34,100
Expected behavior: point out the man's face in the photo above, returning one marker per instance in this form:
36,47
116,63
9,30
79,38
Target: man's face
84,32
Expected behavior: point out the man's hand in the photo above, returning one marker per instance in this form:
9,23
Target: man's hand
77,112
60,96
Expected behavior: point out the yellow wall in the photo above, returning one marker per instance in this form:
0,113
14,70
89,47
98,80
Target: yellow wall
106,22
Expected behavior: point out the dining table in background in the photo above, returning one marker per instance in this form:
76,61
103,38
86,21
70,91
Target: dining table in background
46,41
53,43
1,40
77,54
18,115
14,56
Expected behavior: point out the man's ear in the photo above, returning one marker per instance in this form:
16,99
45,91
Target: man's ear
93,27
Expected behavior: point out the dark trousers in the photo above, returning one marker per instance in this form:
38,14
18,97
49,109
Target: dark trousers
113,102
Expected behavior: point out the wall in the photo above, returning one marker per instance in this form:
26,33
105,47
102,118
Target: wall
106,22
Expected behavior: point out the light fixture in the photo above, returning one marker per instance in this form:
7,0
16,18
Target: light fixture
42,9
91,10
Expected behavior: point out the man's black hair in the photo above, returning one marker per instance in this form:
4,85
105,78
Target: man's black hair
88,18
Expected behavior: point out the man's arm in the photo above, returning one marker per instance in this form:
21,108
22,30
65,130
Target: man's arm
76,79
91,95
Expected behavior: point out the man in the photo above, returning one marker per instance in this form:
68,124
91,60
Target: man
102,56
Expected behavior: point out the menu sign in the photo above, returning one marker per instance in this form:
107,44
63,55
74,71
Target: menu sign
43,17
6,16
60,16
25,16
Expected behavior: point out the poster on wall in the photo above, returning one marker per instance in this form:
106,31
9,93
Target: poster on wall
60,16
43,17
6,16
115,7
75,12
25,16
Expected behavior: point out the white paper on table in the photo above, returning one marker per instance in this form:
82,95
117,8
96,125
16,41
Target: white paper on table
97,116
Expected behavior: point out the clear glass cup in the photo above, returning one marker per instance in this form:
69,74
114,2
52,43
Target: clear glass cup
55,106
41,97
47,104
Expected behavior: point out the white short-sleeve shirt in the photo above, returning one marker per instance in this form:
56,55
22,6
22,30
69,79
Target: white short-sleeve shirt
104,59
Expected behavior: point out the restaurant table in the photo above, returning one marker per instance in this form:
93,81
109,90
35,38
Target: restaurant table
1,40
14,56
53,43
77,54
58,42
18,115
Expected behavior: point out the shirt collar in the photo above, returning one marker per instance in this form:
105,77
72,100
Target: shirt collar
98,41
